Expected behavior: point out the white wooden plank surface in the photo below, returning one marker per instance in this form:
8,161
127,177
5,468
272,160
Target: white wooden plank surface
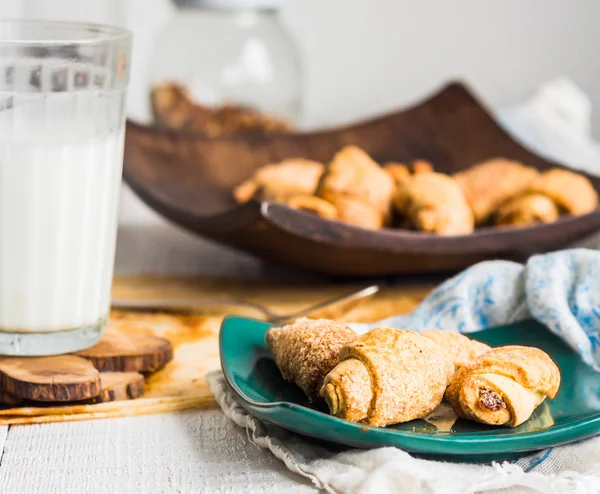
3,435
187,452
167,249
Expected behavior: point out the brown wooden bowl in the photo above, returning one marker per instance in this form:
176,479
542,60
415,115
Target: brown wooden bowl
189,180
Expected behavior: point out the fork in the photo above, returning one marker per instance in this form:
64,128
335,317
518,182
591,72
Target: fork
330,309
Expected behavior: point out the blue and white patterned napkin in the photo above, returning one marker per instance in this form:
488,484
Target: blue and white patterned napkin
561,290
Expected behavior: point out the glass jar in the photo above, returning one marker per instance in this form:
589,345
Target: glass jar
230,53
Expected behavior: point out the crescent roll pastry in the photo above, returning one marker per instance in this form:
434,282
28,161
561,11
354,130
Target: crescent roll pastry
352,174
526,210
552,193
314,205
421,166
306,350
491,183
399,172
281,181
570,191
387,376
460,349
434,202
504,386
358,213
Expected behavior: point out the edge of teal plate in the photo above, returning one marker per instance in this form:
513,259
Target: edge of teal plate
418,442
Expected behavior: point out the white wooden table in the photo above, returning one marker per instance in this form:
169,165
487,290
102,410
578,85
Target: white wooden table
187,452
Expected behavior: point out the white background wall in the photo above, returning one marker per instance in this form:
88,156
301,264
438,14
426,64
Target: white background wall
364,57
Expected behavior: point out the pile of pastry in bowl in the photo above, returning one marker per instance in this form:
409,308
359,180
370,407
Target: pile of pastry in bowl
356,190
389,376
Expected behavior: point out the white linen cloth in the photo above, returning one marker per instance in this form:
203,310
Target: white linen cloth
562,290
571,469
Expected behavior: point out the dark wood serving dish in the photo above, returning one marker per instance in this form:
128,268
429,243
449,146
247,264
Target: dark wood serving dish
189,179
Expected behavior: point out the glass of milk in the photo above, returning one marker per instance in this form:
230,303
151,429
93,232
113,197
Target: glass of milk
62,123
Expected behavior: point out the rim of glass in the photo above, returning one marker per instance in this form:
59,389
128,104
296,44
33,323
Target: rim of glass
83,33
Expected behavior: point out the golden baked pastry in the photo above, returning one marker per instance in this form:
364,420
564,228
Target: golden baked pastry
553,192
527,209
434,202
504,386
491,183
358,213
421,166
399,172
572,192
387,376
314,205
281,181
460,349
352,174
306,350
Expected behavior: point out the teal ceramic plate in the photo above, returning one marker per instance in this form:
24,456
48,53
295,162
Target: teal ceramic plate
574,414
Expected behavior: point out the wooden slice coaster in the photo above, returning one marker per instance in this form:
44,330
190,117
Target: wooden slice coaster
10,400
118,386
59,378
118,352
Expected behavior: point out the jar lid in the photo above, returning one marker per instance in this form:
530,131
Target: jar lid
231,4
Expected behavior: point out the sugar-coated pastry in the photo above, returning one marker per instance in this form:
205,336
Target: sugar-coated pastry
527,209
504,385
306,350
460,349
434,202
387,376
281,181
493,182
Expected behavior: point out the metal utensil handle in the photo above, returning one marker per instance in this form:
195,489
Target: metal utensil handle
332,309
183,305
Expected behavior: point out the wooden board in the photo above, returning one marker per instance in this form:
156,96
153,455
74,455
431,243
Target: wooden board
181,384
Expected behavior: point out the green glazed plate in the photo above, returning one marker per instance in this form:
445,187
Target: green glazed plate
574,414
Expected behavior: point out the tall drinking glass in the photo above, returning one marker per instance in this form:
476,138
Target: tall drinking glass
62,124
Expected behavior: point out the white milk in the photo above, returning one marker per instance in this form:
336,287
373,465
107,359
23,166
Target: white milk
60,173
